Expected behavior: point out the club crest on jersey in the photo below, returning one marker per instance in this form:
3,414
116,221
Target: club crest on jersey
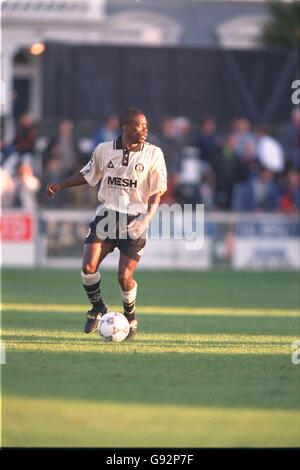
110,165
139,167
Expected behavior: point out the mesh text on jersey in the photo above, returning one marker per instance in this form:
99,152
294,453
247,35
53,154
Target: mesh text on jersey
121,182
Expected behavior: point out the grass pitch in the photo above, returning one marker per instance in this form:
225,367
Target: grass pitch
211,365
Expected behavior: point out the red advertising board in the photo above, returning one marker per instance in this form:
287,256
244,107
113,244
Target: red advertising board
16,227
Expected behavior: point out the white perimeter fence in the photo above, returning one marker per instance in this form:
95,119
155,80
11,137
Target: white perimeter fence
238,241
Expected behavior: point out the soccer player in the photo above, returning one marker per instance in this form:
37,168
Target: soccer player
132,175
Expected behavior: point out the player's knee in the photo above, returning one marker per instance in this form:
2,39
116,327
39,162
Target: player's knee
89,268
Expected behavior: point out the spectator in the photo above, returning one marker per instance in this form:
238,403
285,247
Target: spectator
168,141
26,135
243,138
109,131
7,136
289,136
266,194
269,151
181,129
207,189
207,140
242,197
225,172
172,152
187,190
27,186
7,189
290,197
63,148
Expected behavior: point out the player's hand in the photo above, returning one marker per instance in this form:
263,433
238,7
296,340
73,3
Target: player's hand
52,189
136,228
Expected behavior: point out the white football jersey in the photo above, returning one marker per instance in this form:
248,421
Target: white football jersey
128,178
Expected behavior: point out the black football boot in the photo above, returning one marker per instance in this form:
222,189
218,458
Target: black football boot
93,317
132,326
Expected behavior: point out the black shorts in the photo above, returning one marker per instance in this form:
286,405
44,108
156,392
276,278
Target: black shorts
117,235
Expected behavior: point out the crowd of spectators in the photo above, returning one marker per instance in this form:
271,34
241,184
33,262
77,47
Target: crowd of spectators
246,169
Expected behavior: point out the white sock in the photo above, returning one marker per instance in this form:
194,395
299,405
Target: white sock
128,299
90,279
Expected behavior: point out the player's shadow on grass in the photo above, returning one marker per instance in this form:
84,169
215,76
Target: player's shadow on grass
220,324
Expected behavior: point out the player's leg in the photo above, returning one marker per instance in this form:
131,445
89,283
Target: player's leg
93,255
128,287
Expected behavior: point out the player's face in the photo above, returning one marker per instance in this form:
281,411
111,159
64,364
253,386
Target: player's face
137,131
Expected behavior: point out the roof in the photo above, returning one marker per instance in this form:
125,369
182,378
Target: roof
198,20
31,9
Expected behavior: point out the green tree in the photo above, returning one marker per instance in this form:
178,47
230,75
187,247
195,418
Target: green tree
283,29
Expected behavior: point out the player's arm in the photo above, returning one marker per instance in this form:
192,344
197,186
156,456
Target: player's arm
157,187
153,203
138,227
75,180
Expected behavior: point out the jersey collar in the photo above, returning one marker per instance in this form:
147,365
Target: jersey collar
118,145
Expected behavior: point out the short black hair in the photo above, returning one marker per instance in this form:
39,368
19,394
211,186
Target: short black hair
128,115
